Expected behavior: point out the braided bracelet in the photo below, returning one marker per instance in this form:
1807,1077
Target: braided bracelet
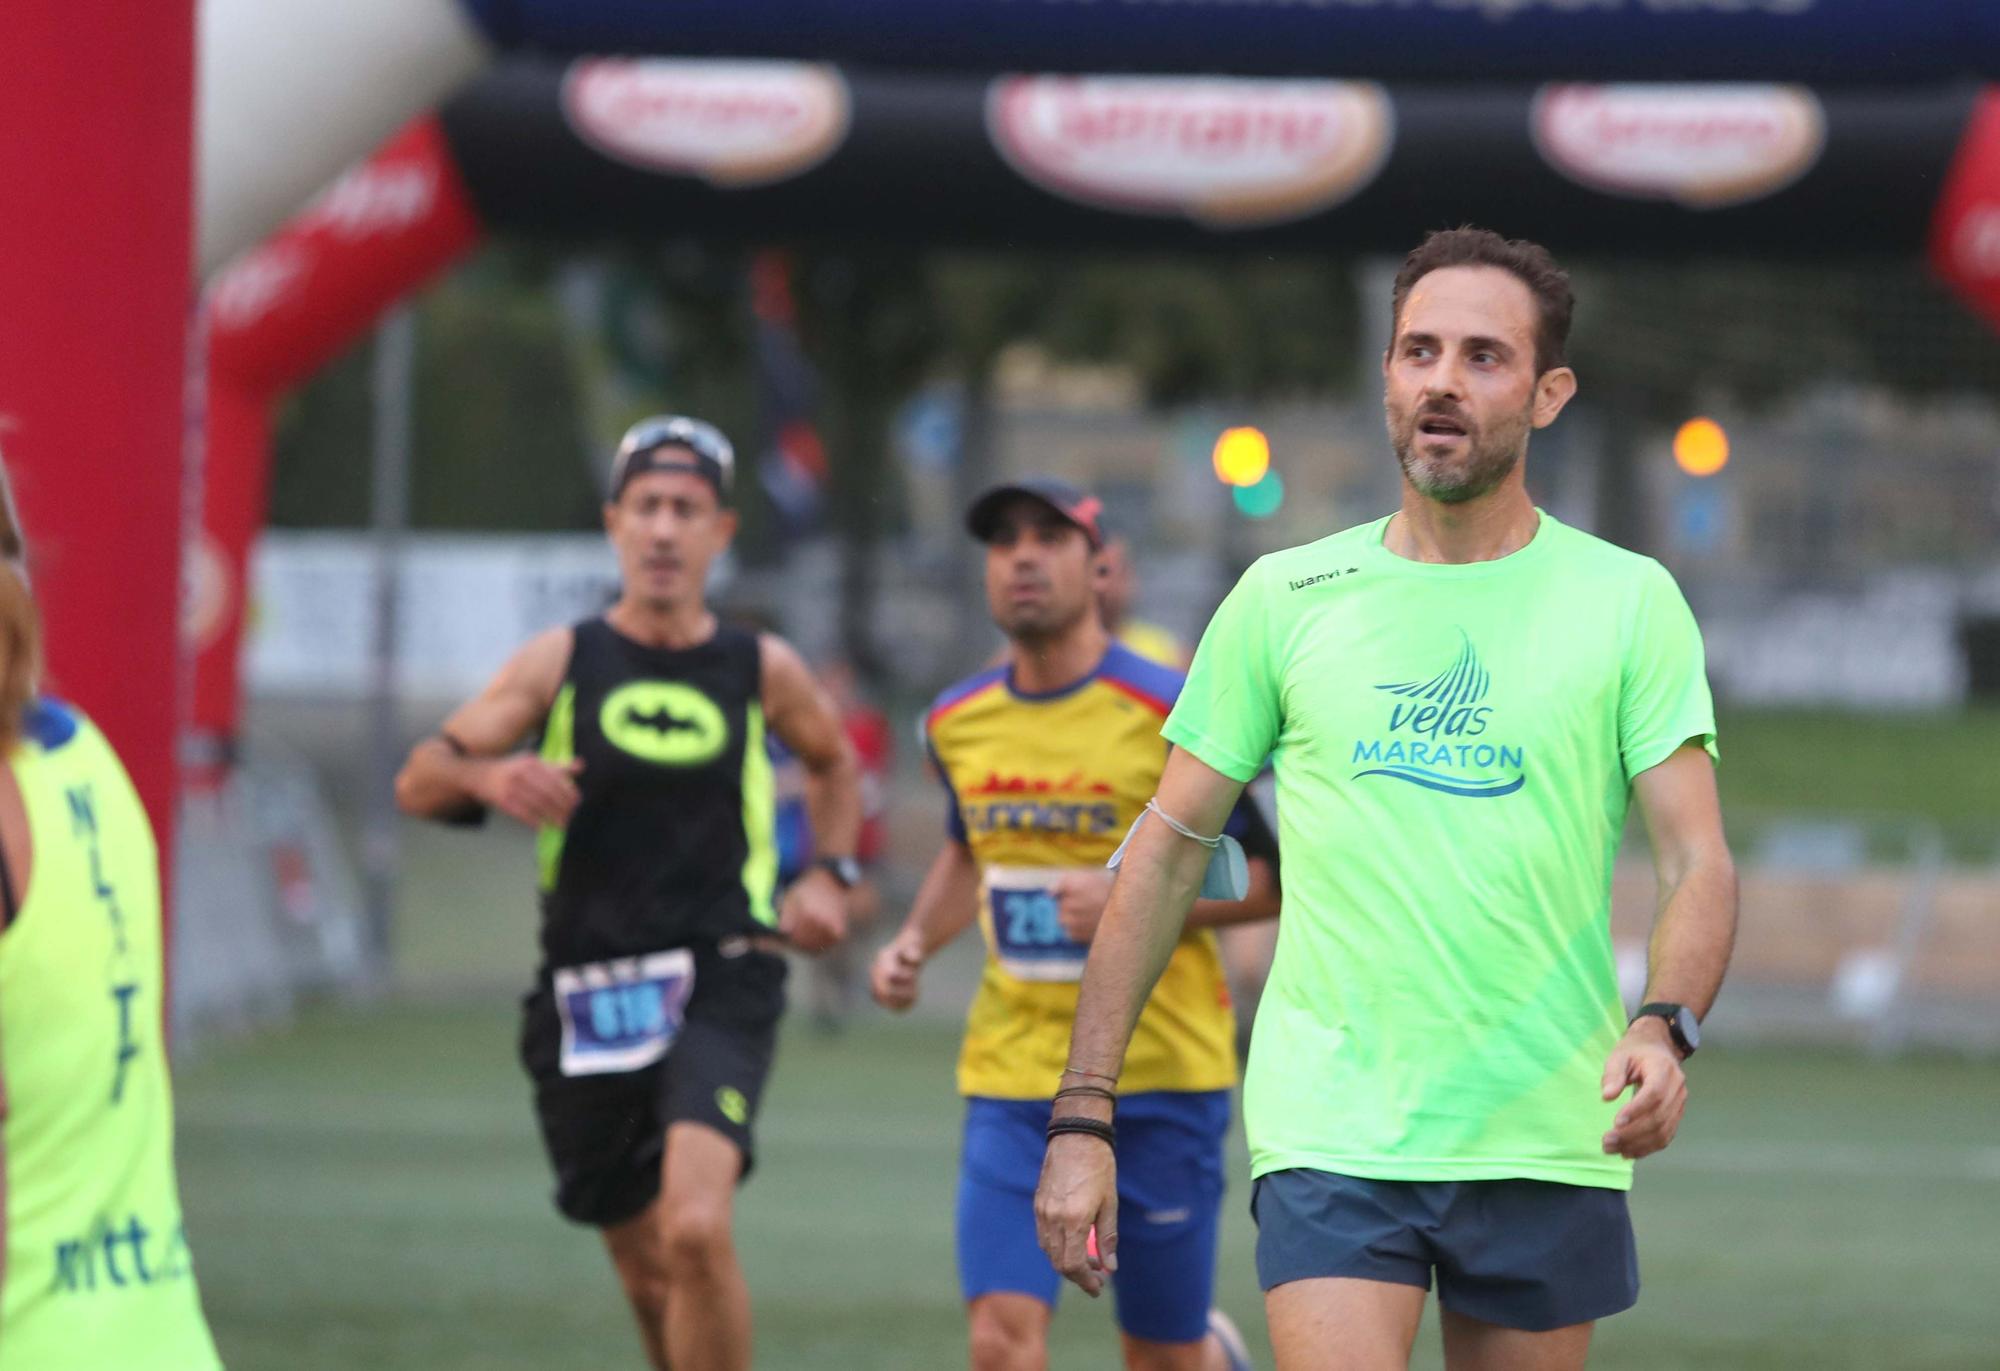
1076,1123
1094,1091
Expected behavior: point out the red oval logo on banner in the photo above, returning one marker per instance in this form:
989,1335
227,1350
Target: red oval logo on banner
1702,147
207,591
1226,153
1976,246
730,123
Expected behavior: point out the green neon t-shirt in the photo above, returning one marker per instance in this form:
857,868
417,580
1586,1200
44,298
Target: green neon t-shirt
1454,748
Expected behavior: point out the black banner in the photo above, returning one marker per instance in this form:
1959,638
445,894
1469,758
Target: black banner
779,152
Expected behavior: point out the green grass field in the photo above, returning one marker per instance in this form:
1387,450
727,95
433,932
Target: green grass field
366,1191
1918,764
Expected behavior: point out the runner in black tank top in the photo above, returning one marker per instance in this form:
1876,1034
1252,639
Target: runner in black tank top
650,1029
672,840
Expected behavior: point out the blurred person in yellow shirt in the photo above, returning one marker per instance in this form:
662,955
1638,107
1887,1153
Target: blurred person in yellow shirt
94,1264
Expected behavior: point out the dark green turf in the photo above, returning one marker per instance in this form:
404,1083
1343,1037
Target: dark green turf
367,1192
1938,766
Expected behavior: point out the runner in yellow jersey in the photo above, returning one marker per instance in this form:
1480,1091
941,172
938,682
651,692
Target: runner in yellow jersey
1048,759
94,1266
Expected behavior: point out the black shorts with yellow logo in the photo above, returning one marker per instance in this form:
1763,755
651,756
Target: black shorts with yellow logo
605,1132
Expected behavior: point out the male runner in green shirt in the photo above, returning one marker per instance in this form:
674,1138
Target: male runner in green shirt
1459,700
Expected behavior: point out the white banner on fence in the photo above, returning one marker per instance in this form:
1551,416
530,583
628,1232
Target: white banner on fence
466,602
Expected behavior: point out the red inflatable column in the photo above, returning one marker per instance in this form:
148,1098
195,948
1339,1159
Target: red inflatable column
275,316
1965,232
95,244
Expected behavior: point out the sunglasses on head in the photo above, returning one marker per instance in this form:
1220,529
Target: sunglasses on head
644,448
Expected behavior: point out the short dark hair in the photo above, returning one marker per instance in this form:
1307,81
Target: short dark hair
1529,263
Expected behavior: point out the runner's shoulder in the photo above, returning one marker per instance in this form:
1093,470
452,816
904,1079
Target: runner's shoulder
777,658
959,694
1606,563
540,664
1146,680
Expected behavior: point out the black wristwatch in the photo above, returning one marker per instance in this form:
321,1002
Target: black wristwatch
846,870
1682,1026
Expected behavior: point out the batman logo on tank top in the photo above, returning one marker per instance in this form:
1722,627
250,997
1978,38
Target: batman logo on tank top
667,723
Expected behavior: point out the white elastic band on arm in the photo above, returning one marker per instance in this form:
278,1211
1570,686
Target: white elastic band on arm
1227,876
1177,826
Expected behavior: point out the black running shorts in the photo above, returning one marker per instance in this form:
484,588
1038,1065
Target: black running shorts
606,1134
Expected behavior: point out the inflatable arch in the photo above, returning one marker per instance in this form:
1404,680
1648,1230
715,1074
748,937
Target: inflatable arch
749,151
97,280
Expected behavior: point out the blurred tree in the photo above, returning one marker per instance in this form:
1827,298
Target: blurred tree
496,423
1655,342
672,333
870,322
1221,328
319,448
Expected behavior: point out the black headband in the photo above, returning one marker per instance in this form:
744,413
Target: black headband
674,443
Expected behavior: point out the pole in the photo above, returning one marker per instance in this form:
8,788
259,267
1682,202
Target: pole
394,384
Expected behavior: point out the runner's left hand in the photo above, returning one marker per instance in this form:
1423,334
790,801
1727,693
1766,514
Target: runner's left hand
1645,1057
1080,899
814,912
1078,1196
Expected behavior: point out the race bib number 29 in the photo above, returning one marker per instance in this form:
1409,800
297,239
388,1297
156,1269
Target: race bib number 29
624,1014
1028,936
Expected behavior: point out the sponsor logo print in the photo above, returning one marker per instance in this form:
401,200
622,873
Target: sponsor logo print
255,284
1073,804
207,592
377,197
1700,146
664,722
1977,243
1321,579
372,199
732,124
1076,783
1436,734
1225,153
733,1105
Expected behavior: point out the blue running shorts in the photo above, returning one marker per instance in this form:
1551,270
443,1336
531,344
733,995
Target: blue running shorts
1169,1201
1533,1255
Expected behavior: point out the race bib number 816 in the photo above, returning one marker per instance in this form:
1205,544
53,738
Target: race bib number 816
624,1014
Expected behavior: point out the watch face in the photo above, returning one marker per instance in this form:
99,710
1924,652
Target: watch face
1689,1028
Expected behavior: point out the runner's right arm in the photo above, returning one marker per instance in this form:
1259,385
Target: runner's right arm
947,904
470,765
1149,905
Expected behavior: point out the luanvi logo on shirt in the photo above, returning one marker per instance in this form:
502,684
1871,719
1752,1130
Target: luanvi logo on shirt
664,722
1437,734
1322,578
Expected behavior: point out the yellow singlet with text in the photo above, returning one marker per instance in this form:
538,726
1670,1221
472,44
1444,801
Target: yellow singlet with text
1041,784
